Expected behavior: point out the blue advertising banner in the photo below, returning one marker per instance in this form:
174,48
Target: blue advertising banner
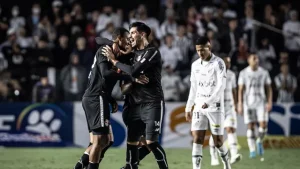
32,125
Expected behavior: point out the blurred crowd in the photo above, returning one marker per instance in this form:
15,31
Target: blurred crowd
46,56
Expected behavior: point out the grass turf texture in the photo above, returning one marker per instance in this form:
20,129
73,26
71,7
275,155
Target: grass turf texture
65,158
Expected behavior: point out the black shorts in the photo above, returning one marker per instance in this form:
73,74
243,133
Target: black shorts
97,114
145,119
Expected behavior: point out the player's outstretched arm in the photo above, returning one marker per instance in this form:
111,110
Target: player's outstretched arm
221,81
107,73
147,61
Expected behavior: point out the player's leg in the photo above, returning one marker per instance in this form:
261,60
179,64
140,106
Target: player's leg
263,118
135,128
230,126
101,140
111,142
216,122
84,159
152,116
198,127
250,120
213,152
144,150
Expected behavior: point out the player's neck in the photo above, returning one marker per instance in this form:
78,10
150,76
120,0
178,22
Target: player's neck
208,58
143,45
254,68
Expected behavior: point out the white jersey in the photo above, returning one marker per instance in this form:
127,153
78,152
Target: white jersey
230,84
208,81
254,82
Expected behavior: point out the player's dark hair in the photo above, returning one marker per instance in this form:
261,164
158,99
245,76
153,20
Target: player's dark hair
202,40
141,27
250,54
119,32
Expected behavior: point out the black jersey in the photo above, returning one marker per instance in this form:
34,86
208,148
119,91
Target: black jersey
146,62
103,76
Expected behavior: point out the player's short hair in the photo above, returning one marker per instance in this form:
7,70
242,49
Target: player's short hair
119,32
141,27
202,40
250,54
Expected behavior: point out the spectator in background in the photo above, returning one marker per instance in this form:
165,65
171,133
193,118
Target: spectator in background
153,39
169,25
230,41
65,26
3,63
11,39
78,17
291,31
249,28
193,18
172,85
171,55
107,32
90,31
215,45
167,5
43,92
3,26
33,20
266,54
73,79
10,89
56,13
208,21
106,17
85,55
16,21
286,85
242,54
23,40
62,52
46,29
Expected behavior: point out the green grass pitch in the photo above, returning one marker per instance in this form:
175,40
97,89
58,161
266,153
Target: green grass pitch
65,158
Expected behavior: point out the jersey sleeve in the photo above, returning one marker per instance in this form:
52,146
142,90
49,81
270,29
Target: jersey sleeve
150,57
241,79
220,69
277,82
193,89
268,79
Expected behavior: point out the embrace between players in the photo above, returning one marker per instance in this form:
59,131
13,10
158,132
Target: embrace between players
131,59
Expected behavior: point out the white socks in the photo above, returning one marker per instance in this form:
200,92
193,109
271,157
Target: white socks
197,155
261,133
251,140
232,141
212,148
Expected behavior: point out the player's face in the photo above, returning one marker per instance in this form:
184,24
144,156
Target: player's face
227,61
253,61
203,51
124,41
135,37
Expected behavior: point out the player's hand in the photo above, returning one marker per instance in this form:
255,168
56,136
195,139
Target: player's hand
114,106
106,51
142,79
240,109
128,50
204,106
269,107
188,116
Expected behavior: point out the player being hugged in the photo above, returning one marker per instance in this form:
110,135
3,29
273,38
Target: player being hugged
147,107
254,82
208,80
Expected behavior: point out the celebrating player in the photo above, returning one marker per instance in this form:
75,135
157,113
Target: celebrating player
97,97
230,124
147,108
208,80
252,102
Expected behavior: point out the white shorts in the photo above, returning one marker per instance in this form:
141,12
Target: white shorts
256,114
204,119
230,118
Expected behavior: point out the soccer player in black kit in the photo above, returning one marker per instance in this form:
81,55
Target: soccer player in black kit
147,105
97,97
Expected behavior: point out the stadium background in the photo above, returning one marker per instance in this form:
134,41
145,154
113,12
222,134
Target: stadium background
28,119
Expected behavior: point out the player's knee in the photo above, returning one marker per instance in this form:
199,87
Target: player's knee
230,130
198,139
251,126
218,143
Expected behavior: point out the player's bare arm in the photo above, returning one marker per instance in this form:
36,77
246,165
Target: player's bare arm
240,99
235,98
269,97
191,99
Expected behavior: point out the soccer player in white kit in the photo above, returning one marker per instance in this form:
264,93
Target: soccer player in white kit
254,82
230,105
208,80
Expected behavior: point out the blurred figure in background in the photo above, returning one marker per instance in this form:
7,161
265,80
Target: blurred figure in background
85,55
286,85
16,22
169,25
62,52
33,20
3,25
23,40
43,92
106,17
170,54
10,88
73,79
266,54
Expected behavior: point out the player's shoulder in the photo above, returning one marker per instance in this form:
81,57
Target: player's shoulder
196,62
263,71
99,56
216,60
